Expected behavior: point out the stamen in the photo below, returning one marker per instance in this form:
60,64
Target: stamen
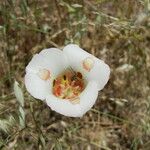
73,78
54,82
64,77
68,85
79,75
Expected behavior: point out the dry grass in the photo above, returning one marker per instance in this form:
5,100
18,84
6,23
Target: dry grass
117,31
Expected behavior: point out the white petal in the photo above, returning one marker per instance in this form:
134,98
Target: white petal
88,97
51,59
37,87
99,72
65,107
75,55
42,69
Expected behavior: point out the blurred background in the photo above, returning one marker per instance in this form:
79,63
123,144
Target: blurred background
116,31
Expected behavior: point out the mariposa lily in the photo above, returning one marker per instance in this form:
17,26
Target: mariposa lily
68,80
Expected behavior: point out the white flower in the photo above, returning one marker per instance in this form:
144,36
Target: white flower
47,67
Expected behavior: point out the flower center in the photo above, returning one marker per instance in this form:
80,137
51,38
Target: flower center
68,85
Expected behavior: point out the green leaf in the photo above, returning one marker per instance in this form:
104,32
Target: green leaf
21,117
24,7
19,94
42,140
6,124
70,8
20,99
11,120
76,5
